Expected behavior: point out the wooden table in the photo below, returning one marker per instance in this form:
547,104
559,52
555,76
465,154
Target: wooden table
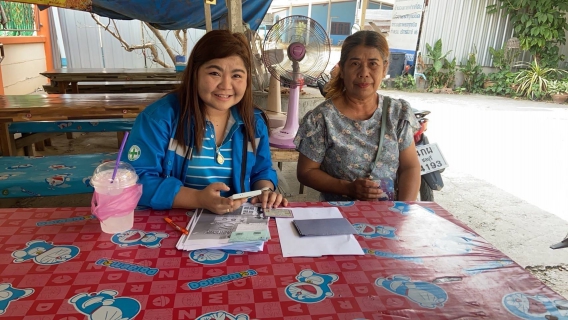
420,262
55,107
106,80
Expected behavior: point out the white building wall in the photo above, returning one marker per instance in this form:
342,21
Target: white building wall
464,27
89,46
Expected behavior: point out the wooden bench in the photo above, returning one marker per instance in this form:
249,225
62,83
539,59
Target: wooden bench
111,80
65,108
38,132
49,175
39,176
113,87
285,155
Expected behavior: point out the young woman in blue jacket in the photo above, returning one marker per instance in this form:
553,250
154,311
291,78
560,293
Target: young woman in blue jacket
205,141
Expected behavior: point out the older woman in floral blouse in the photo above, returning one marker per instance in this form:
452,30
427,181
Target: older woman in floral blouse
339,140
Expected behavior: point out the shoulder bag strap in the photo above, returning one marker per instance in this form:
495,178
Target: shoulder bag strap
384,115
386,105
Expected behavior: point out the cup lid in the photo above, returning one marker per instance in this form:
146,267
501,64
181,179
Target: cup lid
125,176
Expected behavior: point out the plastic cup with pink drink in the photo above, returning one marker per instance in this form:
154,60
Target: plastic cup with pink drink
114,200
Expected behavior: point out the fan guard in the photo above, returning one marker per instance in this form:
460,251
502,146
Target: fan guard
287,32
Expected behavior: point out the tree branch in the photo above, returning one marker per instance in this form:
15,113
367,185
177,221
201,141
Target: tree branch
178,37
162,41
182,40
129,48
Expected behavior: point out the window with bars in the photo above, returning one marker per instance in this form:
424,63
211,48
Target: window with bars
341,28
17,19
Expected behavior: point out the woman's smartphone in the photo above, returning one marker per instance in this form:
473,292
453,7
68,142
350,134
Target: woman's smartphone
243,195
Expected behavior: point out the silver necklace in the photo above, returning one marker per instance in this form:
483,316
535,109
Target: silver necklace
219,158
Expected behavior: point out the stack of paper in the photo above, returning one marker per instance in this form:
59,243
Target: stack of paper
244,229
294,245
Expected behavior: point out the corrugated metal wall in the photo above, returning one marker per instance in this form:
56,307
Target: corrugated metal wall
464,27
86,48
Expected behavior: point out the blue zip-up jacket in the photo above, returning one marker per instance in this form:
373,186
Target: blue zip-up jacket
158,158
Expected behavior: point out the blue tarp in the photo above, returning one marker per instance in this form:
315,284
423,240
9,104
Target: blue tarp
179,14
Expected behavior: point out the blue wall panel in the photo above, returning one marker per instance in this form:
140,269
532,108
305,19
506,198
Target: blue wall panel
302,10
319,13
342,12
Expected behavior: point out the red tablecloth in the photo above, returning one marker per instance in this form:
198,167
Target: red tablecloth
420,263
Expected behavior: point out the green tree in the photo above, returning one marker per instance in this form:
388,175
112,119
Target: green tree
540,26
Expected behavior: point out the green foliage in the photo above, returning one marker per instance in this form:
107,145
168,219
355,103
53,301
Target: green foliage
460,90
442,71
473,75
435,54
533,80
557,87
503,58
405,82
20,19
540,26
450,75
503,82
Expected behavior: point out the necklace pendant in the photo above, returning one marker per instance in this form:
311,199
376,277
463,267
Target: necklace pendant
220,159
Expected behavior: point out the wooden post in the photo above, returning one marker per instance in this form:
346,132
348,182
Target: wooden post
7,141
208,25
235,15
364,4
328,24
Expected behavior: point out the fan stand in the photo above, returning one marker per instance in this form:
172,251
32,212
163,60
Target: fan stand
274,105
283,137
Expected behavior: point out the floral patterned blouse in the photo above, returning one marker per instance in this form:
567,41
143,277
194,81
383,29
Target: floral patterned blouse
346,148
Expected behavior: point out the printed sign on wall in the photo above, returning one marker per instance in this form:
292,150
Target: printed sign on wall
405,26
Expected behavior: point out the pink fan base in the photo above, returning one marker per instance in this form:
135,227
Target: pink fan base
282,139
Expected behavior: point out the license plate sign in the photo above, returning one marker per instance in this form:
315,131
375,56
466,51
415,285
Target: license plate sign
431,158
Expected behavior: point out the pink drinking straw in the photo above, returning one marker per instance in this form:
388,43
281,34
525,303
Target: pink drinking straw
119,155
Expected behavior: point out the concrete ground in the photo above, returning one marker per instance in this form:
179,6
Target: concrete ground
493,205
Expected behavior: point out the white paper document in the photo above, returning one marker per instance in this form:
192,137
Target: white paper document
295,246
212,231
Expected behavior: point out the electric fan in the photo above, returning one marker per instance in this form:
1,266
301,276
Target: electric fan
295,51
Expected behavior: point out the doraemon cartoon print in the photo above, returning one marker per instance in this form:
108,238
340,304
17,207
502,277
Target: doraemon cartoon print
488,266
58,180
6,176
426,294
456,243
104,306
9,294
63,125
222,315
341,203
312,287
537,307
138,237
20,166
87,181
211,256
369,231
45,253
60,167
406,209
